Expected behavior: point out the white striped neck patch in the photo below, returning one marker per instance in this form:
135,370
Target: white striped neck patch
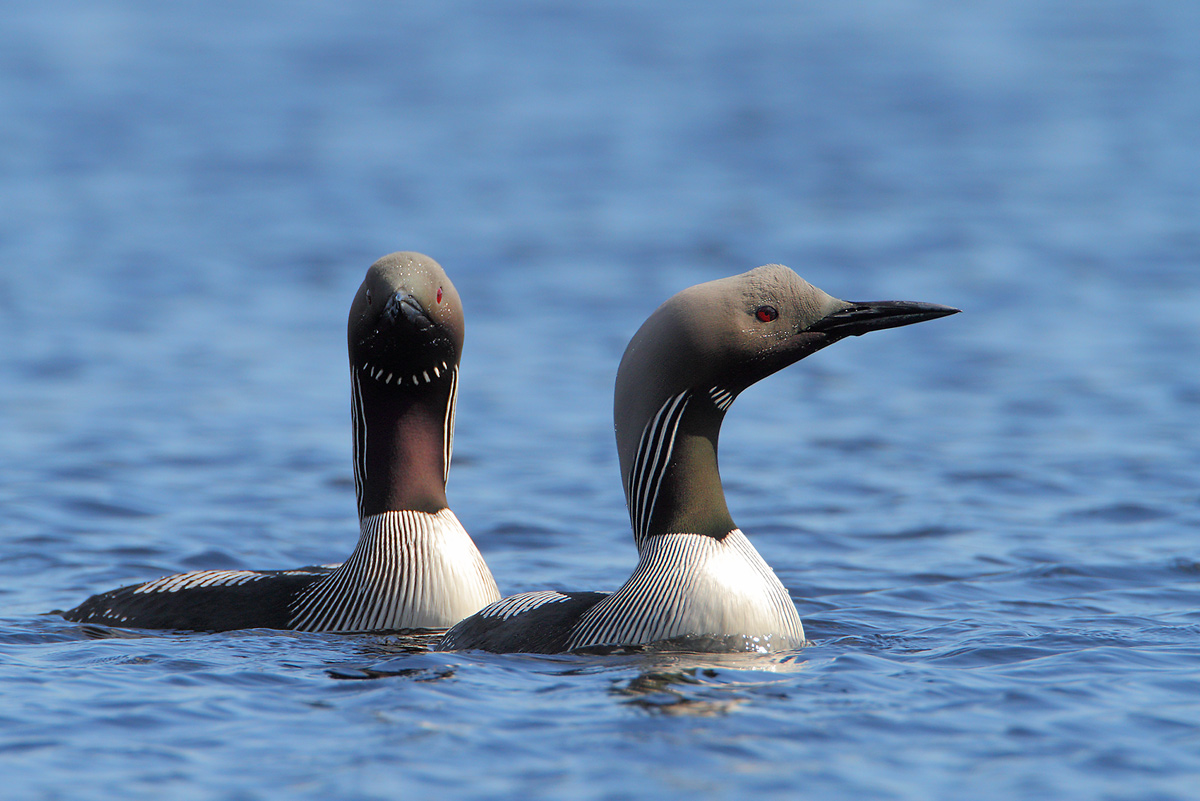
721,397
650,463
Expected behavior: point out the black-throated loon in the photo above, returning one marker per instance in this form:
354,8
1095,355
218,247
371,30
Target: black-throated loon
698,578
415,567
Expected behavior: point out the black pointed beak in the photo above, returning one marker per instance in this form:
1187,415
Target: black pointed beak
404,305
860,318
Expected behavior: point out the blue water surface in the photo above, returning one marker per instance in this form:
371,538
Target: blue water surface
989,523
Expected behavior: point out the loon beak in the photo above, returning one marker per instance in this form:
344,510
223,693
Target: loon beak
860,318
404,305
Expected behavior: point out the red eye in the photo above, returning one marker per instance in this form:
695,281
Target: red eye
766,314
439,297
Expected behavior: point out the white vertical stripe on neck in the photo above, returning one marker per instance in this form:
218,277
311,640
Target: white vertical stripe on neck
448,424
650,463
358,423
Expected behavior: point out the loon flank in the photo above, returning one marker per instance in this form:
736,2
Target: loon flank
698,580
414,567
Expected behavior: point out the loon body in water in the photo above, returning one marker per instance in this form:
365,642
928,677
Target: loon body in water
415,567
698,580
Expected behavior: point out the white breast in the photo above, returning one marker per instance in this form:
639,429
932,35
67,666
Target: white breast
689,585
410,570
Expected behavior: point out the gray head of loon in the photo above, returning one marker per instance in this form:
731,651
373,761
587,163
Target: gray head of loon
406,321
405,337
692,357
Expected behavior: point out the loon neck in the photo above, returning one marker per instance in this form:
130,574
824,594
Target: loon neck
672,481
403,438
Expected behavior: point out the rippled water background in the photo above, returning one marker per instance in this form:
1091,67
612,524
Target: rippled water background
990,523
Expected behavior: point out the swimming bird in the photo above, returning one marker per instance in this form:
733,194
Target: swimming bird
415,566
698,581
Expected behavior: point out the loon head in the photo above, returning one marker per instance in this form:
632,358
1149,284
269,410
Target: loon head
406,323
696,352
405,337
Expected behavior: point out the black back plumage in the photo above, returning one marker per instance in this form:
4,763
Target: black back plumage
218,600
536,623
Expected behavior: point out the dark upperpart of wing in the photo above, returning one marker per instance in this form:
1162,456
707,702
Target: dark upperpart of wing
211,600
533,623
